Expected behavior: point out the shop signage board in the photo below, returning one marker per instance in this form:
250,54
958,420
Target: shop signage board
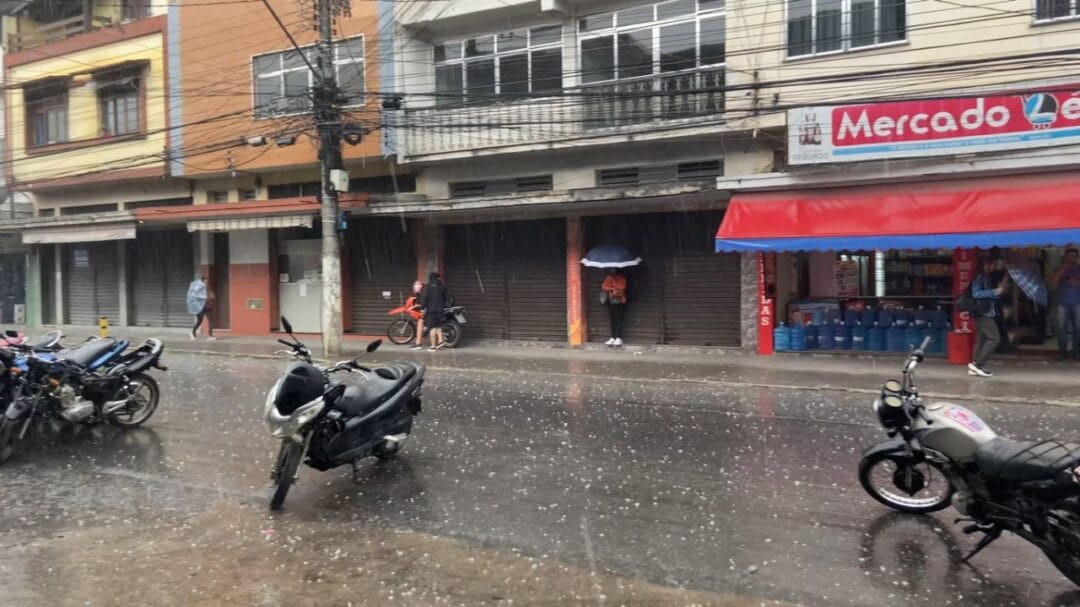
846,278
933,127
766,302
963,274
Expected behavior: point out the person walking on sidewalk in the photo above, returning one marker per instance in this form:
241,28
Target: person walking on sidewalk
200,302
987,336
434,302
614,296
1067,281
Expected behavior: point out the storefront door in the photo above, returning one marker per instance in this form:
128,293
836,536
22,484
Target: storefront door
91,283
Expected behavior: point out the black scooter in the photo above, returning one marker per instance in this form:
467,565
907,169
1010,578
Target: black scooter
334,424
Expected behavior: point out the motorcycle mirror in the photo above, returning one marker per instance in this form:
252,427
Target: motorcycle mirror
374,346
285,325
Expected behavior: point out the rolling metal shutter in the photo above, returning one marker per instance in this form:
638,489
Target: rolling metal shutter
164,267
382,256
511,278
642,234
92,283
704,310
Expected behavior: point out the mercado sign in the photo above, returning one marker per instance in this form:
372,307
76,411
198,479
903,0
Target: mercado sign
932,127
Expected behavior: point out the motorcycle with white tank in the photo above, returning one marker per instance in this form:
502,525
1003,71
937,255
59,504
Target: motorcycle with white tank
943,454
332,423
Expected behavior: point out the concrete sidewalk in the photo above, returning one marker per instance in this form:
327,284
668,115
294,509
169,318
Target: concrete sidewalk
1034,382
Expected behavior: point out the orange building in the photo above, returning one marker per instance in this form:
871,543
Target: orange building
248,144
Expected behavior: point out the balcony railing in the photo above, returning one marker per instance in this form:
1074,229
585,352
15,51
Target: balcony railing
641,104
54,31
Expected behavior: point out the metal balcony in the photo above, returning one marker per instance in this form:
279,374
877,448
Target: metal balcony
27,37
651,103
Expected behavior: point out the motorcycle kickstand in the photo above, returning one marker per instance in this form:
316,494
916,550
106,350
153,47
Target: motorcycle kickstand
990,536
356,472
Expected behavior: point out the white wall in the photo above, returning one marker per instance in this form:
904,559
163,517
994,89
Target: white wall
249,246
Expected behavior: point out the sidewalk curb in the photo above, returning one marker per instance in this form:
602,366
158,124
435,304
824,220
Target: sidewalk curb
703,381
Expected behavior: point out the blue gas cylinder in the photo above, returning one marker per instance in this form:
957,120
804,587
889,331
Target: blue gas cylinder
875,338
832,315
895,338
913,337
938,346
922,317
842,336
851,318
940,318
811,337
885,318
782,338
869,317
902,318
798,337
817,317
858,338
827,337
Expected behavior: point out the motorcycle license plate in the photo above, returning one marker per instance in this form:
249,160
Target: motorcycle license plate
460,318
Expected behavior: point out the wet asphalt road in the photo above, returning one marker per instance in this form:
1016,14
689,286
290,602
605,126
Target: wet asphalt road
750,492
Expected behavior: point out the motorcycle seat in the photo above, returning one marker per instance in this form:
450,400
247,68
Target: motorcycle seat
1014,461
368,396
87,353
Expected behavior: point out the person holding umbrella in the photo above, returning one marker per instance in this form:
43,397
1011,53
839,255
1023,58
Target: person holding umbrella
613,293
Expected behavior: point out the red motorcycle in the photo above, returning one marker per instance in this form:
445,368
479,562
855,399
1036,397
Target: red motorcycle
403,329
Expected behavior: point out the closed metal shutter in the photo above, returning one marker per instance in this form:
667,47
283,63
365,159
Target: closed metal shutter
164,267
92,283
682,293
704,310
382,259
511,278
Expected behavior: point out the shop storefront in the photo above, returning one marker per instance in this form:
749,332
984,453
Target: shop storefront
877,268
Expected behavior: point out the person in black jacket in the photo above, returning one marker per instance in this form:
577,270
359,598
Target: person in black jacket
433,300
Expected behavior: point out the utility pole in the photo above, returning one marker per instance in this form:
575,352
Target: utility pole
328,117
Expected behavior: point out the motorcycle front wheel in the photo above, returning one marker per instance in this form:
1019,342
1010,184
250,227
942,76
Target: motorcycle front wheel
401,331
451,332
285,472
894,480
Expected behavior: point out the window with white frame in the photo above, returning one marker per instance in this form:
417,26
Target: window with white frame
509,65
1049,10
652,39
283,80
825,26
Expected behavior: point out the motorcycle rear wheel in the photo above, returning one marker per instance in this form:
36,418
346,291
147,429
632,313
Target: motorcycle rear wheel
1065,530
287,463
896,497
145,390
401,331
451,331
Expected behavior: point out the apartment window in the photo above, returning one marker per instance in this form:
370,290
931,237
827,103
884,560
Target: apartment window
490,187
686,171
826,26
217,196
283,80
510,65
1049,10
294,190
132,10
46,114
249,195
655,39
119,97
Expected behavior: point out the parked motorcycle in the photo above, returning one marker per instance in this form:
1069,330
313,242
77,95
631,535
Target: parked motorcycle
943,454
403,329
334,424
88,384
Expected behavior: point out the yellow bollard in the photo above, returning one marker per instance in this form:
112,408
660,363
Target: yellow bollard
103,327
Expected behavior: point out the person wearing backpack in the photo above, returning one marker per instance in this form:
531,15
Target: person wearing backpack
986,308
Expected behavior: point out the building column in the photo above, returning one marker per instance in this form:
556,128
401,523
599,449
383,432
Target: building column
430,249
749,290
33,311
577,331
122,272
58,278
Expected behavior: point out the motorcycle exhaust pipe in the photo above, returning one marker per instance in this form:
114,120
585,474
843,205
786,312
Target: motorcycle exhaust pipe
395,438
113,406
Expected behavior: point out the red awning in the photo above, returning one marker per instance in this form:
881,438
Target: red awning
999,211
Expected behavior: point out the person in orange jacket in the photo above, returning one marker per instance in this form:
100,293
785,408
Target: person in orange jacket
614,296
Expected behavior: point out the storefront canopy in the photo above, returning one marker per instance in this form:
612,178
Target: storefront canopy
72,234
1002,211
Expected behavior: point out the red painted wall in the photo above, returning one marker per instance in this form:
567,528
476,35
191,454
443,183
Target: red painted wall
251,281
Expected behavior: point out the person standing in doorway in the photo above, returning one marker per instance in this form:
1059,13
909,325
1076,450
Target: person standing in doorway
200,303
434,302
614,290
987,336
1067,282
416,303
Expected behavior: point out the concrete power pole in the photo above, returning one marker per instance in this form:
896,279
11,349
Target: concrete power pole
328,118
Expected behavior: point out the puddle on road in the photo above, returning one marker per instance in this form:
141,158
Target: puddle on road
241,555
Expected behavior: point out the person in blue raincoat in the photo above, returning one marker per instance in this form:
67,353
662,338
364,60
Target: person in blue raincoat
199,305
